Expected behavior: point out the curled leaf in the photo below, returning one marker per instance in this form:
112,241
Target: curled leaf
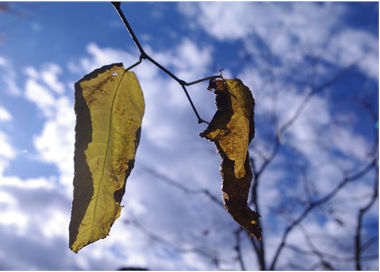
232,129
109,107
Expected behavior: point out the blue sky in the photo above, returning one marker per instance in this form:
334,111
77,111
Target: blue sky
279,50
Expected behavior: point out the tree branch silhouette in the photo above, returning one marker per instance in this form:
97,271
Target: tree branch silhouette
261,161
257,173
238,248
314,204
144,55
182,187
175,246
362,211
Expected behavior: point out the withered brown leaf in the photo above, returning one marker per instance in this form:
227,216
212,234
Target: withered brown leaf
232,129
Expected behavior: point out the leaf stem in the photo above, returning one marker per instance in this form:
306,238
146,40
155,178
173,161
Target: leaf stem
144,55
134,65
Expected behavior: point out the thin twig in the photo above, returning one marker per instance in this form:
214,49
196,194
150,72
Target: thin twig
134,65
275,150
368,243
200,80
206,253
362,211
144,55
317,203
315,251
182,187
238,248
258,245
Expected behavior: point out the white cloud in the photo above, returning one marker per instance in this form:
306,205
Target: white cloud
351,46
30,71
4,114
49,75
14,192
39,95
209,14
8,77
170,144
102,56
6,150
309,27
350,144
191,58
306,21
3,61
55,144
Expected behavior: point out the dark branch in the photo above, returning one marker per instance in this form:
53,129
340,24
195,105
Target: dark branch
315,251
258,245
317,203
362,211
129,28
134,65
336,258
238,248
314,91
144,55
206,253
183,188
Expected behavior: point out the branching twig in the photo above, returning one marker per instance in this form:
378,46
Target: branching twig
183,188
362,211
343,259
258,245
368,243
314,91
260,248
317,203
315,251
257,171
238,248
144,55
203,252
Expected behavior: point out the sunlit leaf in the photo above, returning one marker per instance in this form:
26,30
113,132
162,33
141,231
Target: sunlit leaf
232,129
109,106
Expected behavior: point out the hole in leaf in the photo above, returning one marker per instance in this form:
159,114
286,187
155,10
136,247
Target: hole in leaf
114,74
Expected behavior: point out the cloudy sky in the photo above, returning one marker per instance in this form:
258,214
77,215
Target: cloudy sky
281,51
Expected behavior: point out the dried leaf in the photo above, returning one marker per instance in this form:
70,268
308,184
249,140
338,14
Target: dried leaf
109,106
232,129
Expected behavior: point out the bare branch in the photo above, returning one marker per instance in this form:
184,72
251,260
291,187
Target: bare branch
183,188
238,248
144,55
368,243
362,211
313,91
329,255
315,251
258,245
212,256
317,203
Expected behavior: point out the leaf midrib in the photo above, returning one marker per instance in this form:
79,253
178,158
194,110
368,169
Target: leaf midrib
106,153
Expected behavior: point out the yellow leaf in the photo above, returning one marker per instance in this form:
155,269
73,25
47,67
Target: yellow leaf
109,106
232,129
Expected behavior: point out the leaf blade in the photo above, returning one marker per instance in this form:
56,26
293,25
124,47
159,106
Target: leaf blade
232,129
109,108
